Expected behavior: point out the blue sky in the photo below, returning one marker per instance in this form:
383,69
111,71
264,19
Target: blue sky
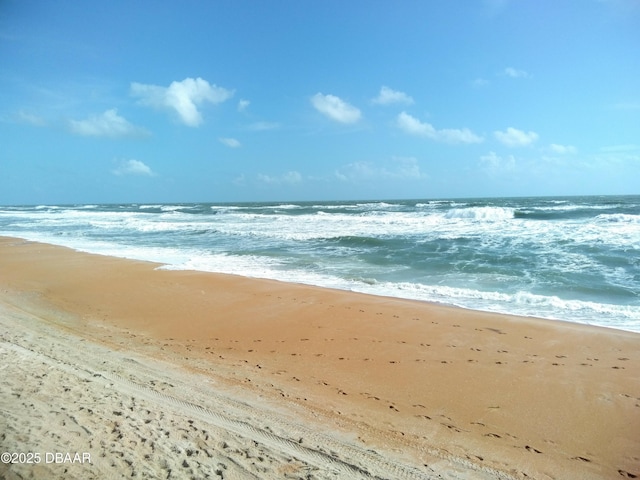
157,101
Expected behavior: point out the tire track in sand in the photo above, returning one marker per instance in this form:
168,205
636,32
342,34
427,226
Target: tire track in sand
325,452
323,457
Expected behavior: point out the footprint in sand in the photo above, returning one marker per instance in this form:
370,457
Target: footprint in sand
582,459
626,474
452,427
496,330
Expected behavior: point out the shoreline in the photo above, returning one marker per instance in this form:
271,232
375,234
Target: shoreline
168,267
423,383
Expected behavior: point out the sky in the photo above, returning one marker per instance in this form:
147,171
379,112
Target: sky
239,100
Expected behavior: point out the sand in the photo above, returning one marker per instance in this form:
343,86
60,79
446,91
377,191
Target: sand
173,374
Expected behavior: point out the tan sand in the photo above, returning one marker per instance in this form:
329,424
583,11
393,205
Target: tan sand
263,379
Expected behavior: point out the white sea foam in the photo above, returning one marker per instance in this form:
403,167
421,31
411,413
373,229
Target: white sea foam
519,303
287,206
572,207
171,208
490,214
619,218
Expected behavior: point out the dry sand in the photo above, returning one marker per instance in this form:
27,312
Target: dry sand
165,374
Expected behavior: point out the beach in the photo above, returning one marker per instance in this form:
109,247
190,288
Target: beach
184,374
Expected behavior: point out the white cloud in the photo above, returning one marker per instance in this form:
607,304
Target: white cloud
107,124
400,168
289,178
240,180
407,167
30,118
496,164
230,142
182,97
335,108
388,96
243,105
617,155
357,171
133,167
563,149
515,73
479,82
413,126
512,137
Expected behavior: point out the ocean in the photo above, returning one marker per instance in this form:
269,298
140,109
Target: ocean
568,258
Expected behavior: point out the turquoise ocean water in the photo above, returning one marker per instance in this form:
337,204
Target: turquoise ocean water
568,258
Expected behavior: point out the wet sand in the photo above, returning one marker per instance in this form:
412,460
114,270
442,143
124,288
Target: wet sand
246,378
